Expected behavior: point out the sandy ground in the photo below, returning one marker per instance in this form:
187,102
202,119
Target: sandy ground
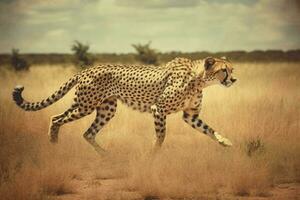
86,185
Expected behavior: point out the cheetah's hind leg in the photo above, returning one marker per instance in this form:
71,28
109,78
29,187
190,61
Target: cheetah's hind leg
54,128
69,115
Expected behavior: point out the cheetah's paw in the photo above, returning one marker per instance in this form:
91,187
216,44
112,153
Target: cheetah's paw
222,140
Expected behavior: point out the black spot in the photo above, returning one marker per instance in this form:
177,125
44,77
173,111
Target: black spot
199,123
195,116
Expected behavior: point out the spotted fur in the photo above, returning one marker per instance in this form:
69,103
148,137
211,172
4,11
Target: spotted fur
160,90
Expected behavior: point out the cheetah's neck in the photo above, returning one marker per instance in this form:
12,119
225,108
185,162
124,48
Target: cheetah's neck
198,69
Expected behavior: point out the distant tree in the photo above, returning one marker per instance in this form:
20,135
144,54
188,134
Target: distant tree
145,54
18,63
82,57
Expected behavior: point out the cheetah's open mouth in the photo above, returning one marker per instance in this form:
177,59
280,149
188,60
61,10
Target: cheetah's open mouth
227,82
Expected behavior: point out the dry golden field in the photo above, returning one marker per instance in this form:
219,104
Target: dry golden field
260,114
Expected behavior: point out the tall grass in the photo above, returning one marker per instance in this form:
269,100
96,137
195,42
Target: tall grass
262,106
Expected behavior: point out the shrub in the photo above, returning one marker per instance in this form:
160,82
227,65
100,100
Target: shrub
82,57
145,54
254,146
18,63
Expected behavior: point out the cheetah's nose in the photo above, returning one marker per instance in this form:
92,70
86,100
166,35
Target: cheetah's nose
233,80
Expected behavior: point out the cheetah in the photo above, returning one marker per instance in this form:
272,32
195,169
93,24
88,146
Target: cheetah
159,90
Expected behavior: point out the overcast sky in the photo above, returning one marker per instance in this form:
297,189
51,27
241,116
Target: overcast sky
180,25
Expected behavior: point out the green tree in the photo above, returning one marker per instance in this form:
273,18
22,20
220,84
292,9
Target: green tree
82,57
18,63
146,54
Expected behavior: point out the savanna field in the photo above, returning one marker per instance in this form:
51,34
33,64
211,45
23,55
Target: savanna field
260,114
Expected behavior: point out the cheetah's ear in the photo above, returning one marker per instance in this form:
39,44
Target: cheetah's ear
209,62
224,58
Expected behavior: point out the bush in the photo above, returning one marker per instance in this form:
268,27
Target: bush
145,54
82,57
254,146
18,63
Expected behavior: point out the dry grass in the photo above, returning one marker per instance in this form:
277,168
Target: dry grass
263,106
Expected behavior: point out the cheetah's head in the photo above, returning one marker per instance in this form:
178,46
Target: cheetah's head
218,71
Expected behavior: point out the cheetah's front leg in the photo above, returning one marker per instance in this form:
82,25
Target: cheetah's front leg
193,119
160,125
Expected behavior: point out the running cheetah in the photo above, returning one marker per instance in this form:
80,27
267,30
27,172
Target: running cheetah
160,90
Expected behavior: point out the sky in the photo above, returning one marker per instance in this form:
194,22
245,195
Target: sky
111,26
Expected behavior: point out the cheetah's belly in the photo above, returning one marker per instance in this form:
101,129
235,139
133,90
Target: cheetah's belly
139,98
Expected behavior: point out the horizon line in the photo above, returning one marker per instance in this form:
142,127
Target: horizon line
161,52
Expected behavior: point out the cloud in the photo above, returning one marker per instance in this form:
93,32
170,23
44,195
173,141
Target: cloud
112,26
158,3
162,4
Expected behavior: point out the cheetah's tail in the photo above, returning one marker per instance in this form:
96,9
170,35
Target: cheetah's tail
28,106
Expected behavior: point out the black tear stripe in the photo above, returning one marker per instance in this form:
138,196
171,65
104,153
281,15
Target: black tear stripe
226,76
